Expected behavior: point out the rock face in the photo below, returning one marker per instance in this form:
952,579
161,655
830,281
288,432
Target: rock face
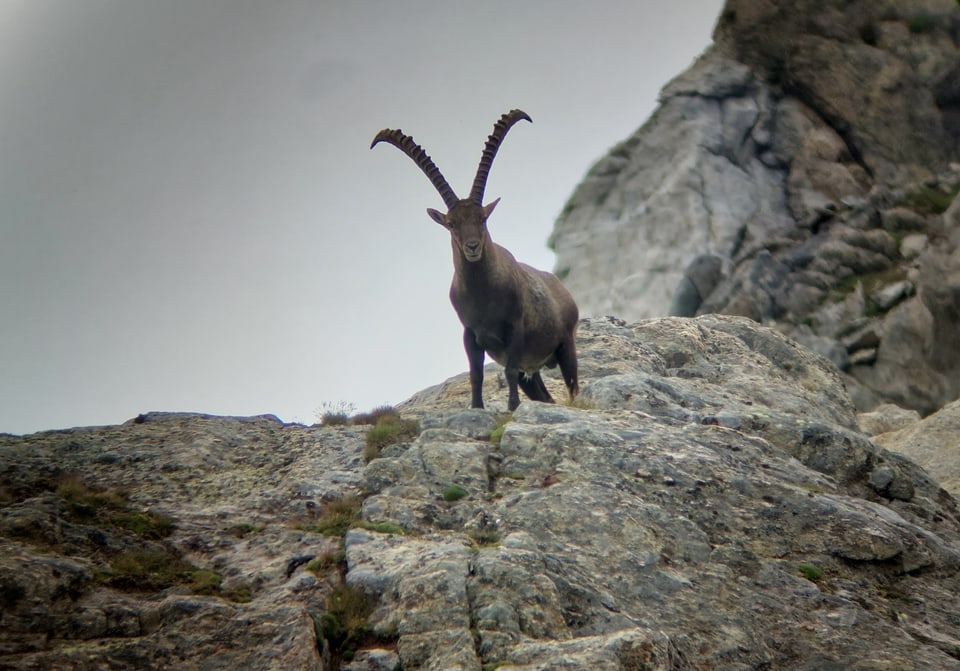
713,504
797,174
934,443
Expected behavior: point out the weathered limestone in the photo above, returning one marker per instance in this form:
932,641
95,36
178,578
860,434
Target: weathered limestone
713,504
805,154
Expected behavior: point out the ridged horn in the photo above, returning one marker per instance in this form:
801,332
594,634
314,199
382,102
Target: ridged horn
490,150
406,144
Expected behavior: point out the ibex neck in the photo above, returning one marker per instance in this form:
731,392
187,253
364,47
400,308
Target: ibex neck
486,272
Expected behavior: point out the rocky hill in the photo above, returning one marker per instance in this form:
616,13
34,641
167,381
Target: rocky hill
799,173
711,503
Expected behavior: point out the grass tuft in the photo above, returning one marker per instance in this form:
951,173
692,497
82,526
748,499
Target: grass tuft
337,517
453,493
811,572
335,414
389,429
345,625
327,561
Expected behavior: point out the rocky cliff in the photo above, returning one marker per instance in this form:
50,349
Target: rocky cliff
710,504
799,173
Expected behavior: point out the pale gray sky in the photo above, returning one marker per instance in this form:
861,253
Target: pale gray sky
190,216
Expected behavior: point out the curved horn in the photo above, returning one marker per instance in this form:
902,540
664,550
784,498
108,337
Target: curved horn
406,144
490,150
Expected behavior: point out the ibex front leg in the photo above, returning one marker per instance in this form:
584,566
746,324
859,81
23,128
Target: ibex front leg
512,368
475,356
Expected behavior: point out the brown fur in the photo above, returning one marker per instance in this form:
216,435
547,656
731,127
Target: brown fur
522,317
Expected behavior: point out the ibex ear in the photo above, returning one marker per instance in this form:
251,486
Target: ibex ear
488,208
438,216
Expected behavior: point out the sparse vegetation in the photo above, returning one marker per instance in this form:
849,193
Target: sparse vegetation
345,414
581,403
345,625
109,509
929,200
155,569
205,581
243,529
497,434
890,592
337,517
238,594
390,428
145,523
484,538
453,493
811,572
320,565
375,415
335,414
382,527
870,282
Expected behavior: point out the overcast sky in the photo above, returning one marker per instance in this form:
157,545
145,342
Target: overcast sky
190,216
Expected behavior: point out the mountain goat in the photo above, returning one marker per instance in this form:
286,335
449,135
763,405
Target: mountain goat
522,317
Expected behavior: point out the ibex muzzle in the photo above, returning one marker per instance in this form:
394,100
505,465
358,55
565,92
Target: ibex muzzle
522,317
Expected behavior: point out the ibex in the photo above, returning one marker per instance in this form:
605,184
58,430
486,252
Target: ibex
522,317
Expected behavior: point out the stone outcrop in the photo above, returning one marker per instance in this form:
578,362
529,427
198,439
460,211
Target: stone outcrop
799,173
934,442
709,503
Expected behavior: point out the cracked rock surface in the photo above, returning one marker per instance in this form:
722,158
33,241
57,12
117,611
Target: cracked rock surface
799,173
710,503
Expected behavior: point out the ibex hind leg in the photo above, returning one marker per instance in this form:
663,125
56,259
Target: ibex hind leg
567,360
534,387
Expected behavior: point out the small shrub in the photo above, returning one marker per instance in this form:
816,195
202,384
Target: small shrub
109,508
375,415
811,572
145,523
331,419
453,493
238,594
205,581
84,499
344,626
335,414
328,560
337,517
484,538
389,429
152,570
383,527
148,570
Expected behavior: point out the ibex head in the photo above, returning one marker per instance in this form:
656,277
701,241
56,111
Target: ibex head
465,219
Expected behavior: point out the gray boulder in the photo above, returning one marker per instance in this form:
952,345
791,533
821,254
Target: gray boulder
933,443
